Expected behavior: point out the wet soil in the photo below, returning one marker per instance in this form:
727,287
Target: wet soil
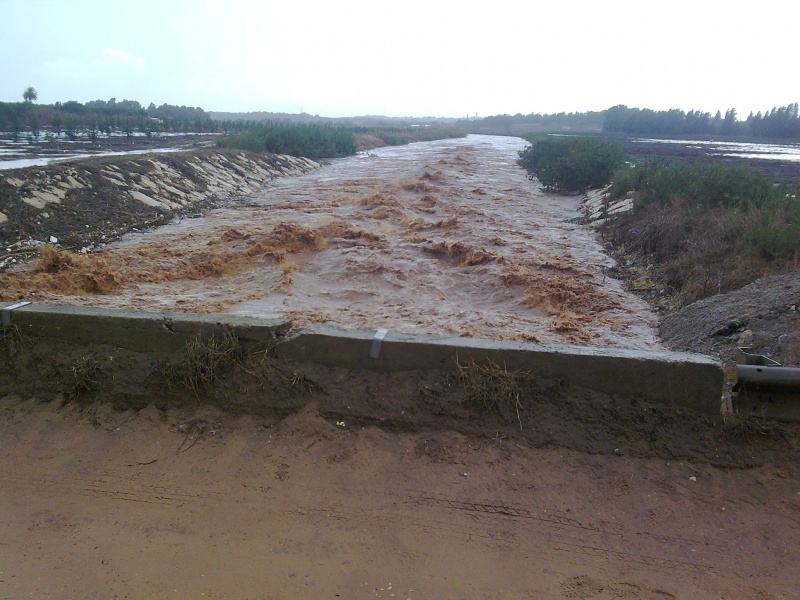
280,479
187,503
762,316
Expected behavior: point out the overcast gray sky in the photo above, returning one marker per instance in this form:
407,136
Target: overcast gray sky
404,58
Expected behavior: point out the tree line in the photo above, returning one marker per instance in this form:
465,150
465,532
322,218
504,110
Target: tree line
106,116
99,117
777,123
520,124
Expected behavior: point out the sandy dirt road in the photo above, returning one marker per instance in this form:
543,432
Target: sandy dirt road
199,504
444,237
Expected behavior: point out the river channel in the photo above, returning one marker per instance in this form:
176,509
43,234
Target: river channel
445,237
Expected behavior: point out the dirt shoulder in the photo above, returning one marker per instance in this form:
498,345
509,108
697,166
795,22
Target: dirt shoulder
177,503
277,479
534,411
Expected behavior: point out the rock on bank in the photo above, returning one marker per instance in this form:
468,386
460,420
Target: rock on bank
86,202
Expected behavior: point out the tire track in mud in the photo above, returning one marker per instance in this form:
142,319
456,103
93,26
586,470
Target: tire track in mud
507,526
569,535
111,487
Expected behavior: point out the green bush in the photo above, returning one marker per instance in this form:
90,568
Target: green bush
571,164
706,228
776,234
396,136
296,139
702,184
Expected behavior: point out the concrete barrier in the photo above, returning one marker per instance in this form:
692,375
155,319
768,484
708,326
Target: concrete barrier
687,380
139,331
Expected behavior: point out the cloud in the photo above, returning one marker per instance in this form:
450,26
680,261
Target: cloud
111,61
114,58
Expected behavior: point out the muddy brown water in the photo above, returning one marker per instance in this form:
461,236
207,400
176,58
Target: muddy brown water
445,237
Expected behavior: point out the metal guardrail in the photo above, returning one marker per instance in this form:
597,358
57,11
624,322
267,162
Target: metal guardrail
764,387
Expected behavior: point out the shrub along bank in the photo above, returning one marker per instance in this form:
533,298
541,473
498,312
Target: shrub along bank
316,141
700,228
295,139
571,164
704,228
398,136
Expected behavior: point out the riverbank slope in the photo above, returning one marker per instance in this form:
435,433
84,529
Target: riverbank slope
85,203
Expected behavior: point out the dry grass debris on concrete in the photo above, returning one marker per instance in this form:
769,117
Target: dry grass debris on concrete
492,389
86,374
204,360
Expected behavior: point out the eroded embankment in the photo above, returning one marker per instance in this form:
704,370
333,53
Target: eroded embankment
84,203
761,315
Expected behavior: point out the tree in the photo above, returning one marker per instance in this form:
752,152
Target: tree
30,94
729,123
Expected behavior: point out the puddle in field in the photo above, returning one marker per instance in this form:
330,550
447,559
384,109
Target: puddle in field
22,163
445,237
784,152
19,152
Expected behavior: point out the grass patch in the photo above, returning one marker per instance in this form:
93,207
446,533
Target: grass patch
86,373
299,384
491,388
749,427
12,340
205,360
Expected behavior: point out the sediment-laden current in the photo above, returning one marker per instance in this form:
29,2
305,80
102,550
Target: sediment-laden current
445,237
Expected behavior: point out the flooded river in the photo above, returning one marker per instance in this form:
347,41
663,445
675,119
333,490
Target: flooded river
445,237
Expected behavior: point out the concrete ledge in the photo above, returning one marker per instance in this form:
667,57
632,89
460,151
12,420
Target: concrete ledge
689,380
141,331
